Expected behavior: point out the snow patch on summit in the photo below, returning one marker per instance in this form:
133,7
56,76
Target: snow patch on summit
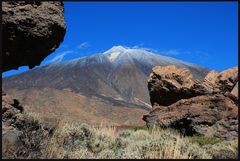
113,56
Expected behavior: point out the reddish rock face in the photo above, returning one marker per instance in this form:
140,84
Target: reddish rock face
224,80
235,90
169,84
31,31
193,107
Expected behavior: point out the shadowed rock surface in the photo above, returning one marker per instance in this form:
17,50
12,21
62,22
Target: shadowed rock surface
31,31
194,107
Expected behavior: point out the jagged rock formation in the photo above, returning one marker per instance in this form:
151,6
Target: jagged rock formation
31,31
182,102
224,80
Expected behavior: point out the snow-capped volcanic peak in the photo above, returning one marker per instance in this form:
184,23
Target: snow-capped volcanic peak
115,52
120,53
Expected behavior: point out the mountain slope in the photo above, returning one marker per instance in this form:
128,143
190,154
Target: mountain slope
118,75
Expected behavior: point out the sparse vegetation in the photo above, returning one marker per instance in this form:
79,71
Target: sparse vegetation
82,141
34,136
223,150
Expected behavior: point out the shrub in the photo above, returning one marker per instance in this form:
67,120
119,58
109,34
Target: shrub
139,127
69,139
223,150
32,136
83,153
140,135
160,145
106,154
125,133
204,140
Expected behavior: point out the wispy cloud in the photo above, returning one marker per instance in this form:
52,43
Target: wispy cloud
83,45
60,56
171,52
138,46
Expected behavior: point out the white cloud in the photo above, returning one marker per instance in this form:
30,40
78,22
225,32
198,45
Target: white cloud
60,56
83,45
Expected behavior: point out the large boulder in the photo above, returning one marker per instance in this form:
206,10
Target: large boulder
168,84
193,107
31,31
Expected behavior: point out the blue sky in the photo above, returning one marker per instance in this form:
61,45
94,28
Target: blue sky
204,33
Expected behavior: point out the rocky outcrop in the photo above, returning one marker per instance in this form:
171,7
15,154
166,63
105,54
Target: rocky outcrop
224,80
191,106
23,135
31,31
10,135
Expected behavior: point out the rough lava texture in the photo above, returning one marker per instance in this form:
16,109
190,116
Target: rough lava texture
31,31
191,106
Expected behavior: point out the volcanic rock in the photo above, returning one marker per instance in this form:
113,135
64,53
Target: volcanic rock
193,107
224,80
169,84
235,90
31,31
